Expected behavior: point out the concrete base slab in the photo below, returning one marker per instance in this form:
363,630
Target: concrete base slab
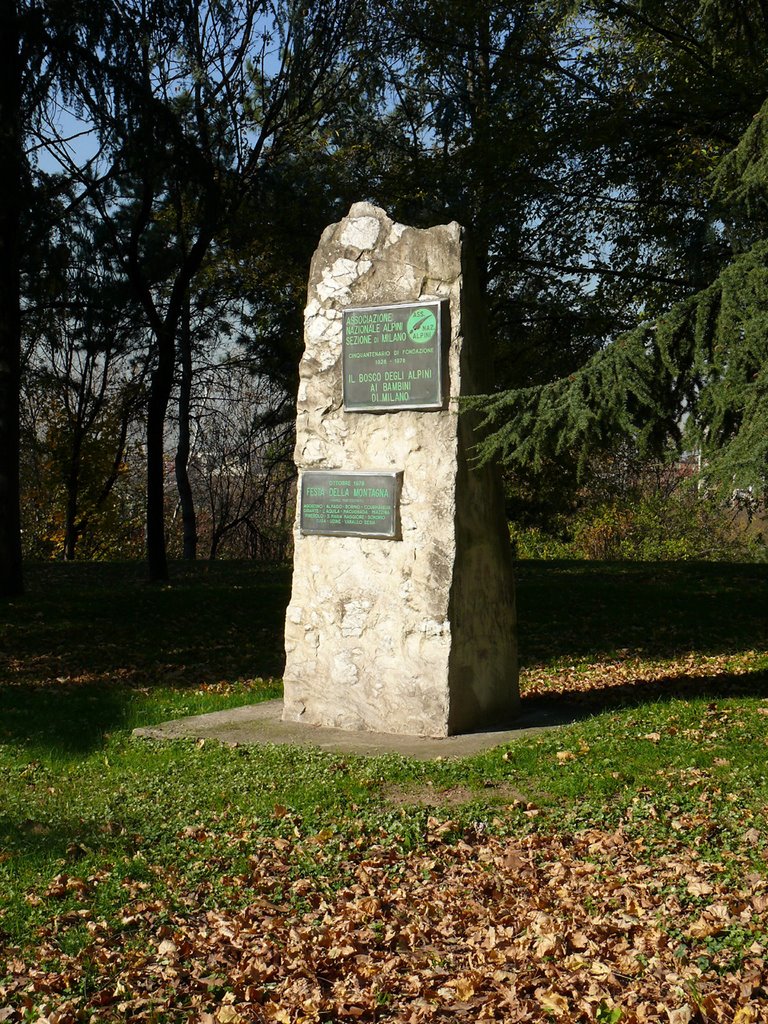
257,724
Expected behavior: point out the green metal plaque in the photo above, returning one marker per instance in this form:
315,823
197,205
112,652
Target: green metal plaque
392,357
356,504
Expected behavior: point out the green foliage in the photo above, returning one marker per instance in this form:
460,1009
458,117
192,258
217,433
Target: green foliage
683,527
729,421
686,223
628,389
608,1015
532,542
630,508
109,521
742,180
707,359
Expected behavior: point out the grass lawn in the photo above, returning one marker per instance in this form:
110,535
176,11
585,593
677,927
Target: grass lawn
612,871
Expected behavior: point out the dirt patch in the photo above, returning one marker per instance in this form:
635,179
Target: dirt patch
427,795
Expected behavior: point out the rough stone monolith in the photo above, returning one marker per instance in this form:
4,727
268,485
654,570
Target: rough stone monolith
414,634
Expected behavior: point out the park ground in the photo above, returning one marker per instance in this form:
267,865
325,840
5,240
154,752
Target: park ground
610,871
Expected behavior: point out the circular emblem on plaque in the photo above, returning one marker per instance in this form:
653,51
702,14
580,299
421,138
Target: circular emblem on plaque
421,326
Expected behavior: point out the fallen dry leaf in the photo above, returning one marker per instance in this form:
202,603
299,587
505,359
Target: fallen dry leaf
681,1015
466,926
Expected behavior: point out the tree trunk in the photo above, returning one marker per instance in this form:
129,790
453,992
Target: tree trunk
161,384
71,531
11,190
188,518
480,99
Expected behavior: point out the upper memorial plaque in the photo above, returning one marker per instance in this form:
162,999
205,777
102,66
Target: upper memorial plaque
392,357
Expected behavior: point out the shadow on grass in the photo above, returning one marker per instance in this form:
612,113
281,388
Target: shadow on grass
67,839
72,720
653,609
86,637
88,641
559,706
104,623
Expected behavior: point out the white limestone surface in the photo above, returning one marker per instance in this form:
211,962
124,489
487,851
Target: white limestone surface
413,635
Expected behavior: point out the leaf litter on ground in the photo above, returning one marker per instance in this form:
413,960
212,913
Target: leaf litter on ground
642,901
471,926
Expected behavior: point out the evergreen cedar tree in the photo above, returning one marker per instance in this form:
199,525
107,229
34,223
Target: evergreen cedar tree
699,373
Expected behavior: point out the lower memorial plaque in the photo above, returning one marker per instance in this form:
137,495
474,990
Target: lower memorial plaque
357,504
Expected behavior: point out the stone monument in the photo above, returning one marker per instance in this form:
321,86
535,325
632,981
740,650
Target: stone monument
402,616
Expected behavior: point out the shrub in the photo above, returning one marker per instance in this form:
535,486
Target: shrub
532,543
683,526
